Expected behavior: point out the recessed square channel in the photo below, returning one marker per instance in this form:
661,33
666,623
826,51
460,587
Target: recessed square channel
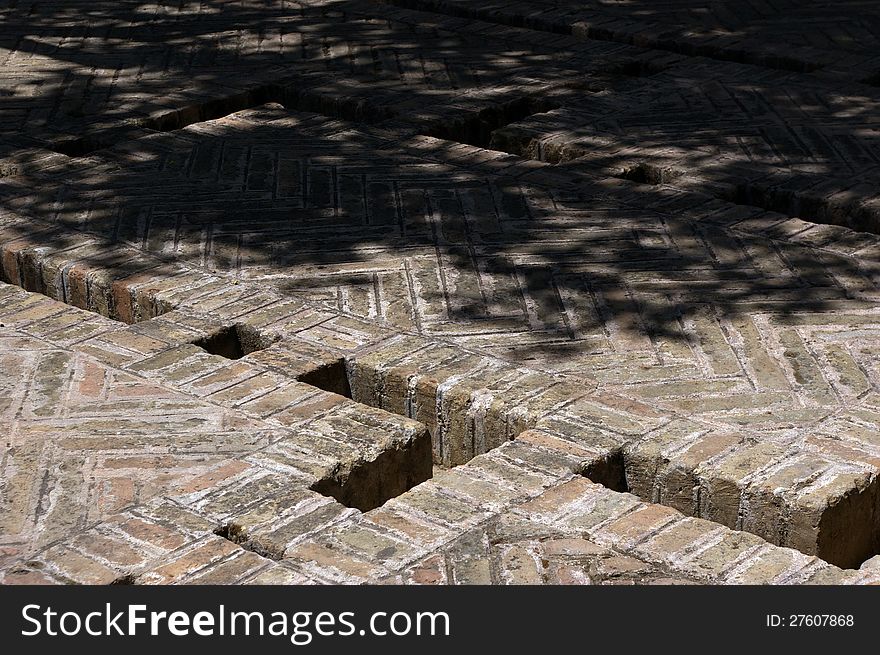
330,377
400,470
234,341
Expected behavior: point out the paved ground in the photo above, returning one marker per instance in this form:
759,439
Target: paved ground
440,292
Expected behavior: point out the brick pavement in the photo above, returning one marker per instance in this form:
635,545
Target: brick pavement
341,292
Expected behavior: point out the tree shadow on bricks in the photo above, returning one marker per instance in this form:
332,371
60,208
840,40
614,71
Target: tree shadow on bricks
419,234
399,235
78,68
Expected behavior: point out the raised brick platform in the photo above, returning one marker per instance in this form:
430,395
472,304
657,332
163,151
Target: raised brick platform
436,293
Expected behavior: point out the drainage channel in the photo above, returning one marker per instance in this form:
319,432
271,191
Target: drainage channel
289,95
494,129
781,198
873,80
536,22
623,469
477,128
235,341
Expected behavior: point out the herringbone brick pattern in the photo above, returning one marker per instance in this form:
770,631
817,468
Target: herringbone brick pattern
602,270
83,441
773,141
645,296
66,75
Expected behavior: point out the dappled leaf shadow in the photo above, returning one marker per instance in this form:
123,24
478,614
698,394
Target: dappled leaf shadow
391,228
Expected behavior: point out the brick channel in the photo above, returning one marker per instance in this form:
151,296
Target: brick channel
426,292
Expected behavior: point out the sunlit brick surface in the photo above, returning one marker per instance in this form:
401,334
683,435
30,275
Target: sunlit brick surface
438,292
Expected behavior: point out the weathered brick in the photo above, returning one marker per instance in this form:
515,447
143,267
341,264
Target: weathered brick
192,560
330,564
